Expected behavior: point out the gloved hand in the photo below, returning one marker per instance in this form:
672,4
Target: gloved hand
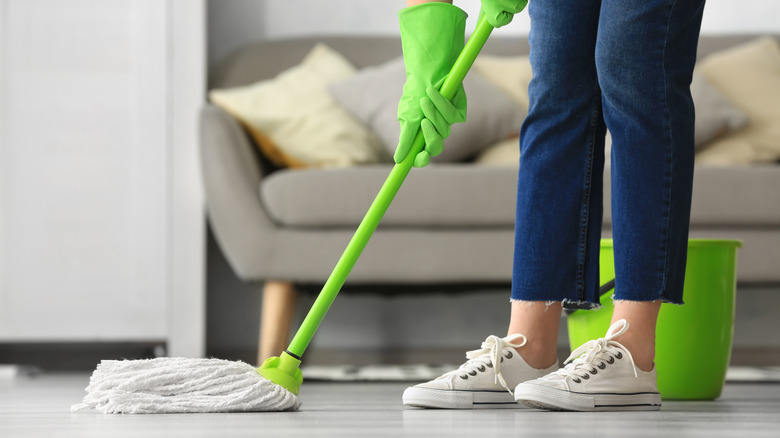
432,36
500,12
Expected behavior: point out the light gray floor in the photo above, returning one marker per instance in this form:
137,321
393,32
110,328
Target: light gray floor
39,407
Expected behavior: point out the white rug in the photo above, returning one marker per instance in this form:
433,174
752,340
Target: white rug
375,373
420,373
753,374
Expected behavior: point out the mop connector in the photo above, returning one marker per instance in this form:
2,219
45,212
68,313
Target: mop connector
284,371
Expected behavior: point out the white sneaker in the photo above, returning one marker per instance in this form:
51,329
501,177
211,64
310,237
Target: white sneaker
484,381
600,375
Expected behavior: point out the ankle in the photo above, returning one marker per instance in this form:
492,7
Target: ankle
537,356
639,339
538,321
644,361
642,351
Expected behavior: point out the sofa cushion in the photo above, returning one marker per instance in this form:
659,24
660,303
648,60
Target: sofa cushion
737,196
484,196
439,196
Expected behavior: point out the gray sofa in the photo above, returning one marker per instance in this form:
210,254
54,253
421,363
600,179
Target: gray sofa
451,224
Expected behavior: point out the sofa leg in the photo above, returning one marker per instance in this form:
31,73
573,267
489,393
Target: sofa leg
278,307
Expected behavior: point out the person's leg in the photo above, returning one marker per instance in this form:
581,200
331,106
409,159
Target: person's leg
644,57
557,229
559,193
559,189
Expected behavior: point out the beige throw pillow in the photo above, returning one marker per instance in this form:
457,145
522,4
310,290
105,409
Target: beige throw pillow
511,74
295,121
503,153
749,76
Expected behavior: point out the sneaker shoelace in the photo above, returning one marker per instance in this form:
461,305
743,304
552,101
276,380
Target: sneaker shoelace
489,355
595,355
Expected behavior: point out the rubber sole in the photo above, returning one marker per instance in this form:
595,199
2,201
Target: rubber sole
452,399
544,397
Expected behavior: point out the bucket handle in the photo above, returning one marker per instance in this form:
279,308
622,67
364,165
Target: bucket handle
603,290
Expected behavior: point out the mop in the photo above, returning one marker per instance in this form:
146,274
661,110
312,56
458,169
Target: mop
178,385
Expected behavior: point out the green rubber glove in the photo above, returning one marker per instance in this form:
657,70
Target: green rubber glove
440,114
432,36
500,12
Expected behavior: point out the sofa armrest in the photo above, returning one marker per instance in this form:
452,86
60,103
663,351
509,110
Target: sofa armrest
232,173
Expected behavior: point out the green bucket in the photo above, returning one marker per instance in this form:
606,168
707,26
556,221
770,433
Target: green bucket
693,341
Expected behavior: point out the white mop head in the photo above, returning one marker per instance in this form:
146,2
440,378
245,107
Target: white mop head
179,385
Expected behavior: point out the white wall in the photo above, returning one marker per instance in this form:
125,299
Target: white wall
232,23
101,204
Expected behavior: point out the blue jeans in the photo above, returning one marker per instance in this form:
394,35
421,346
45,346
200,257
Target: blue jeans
625,65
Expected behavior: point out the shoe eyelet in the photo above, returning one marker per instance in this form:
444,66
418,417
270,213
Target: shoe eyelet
619,355
585,376
577,381
502,358
508,355
594,371
490,365
602,366
464,377
481,369
611,360
472,373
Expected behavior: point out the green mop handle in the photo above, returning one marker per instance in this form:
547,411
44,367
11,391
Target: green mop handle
383,199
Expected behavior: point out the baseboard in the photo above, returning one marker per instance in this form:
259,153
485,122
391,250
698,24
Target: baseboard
755,356
68,356
84,357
